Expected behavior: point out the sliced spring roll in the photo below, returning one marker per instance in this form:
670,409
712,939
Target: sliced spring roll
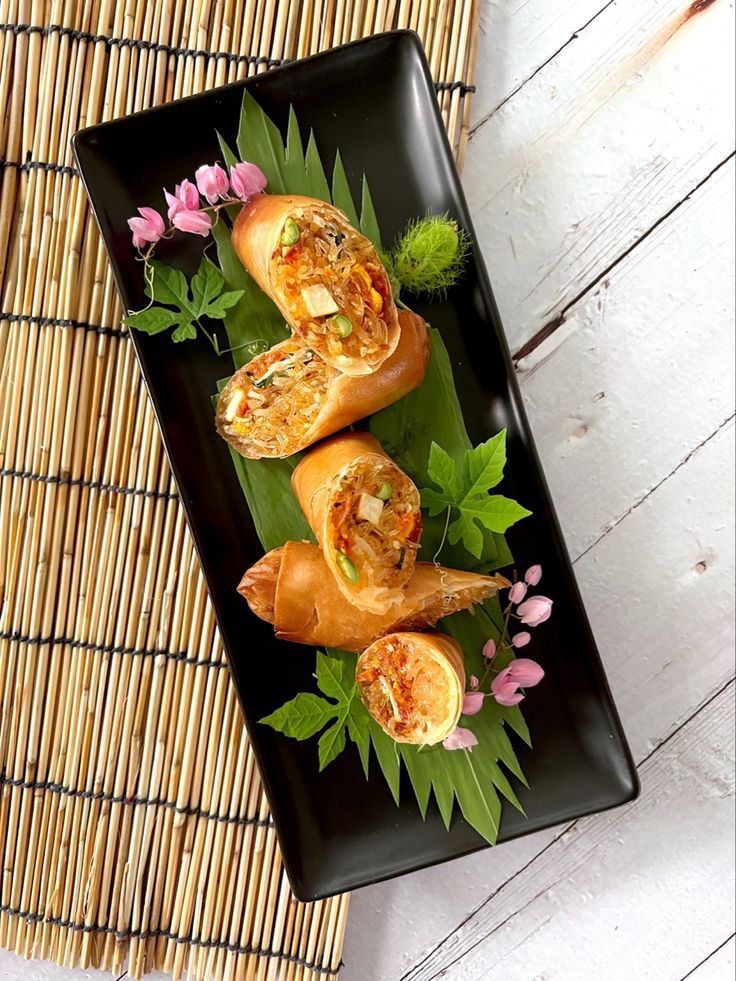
292,588
324,276
366,515
287,398
413,685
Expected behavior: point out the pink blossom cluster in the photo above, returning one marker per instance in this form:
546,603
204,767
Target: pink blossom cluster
185,208
521,673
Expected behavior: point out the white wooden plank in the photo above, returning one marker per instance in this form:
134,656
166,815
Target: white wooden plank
635,378
720,966
516,38
599,145
637,892
666,635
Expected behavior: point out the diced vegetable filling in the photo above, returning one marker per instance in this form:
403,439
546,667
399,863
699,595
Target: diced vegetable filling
375,524
337,291
277,397
405,690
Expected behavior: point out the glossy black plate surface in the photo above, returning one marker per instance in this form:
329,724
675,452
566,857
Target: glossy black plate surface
374,100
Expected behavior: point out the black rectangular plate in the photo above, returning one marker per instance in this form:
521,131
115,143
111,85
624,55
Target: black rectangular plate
374,100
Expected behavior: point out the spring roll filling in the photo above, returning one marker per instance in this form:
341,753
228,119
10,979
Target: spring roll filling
409,693
336,289
375,525
277,397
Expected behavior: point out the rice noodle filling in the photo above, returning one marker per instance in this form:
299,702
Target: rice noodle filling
276,398
329,254
410,690
383,550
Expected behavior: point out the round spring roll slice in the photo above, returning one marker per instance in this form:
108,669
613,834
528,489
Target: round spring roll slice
324,276
287,398
366,515
413,685
292,588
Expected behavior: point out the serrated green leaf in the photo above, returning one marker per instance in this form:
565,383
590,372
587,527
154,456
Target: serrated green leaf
359,732
341,195
315,182
259,141
331,743
217,309
206,285
483,465
434,501
169,285
229,158
419,776
152,320
464,529
443,472
331,678
387,754
294,156
495,512
368,220
185,332
302,717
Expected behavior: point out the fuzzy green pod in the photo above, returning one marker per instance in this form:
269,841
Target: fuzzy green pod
430,255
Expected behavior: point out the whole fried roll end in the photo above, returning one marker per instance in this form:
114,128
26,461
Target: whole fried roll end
292,588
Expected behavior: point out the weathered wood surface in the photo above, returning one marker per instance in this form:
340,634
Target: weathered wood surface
601,179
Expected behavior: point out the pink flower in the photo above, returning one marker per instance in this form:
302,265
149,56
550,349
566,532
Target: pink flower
195,222
460,739
184,198
148,228
533,574
473,702
521,673
474,682
521,639
212,182
489,649
517,592
246,180
535,610
507,694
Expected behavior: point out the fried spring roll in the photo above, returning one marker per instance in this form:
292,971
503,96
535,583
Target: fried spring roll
324,276
287,398
413,685
366,515
292,588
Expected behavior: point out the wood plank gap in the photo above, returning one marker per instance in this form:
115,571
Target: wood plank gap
549,328
703,707
643,498
706,959
573,37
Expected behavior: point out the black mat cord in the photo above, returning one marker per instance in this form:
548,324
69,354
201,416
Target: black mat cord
101,795
183,657
41,478
140,45
29,318
169,935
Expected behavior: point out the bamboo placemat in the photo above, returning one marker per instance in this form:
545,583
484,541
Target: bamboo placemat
133,825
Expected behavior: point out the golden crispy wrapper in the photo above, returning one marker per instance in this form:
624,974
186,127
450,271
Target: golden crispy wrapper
292,588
